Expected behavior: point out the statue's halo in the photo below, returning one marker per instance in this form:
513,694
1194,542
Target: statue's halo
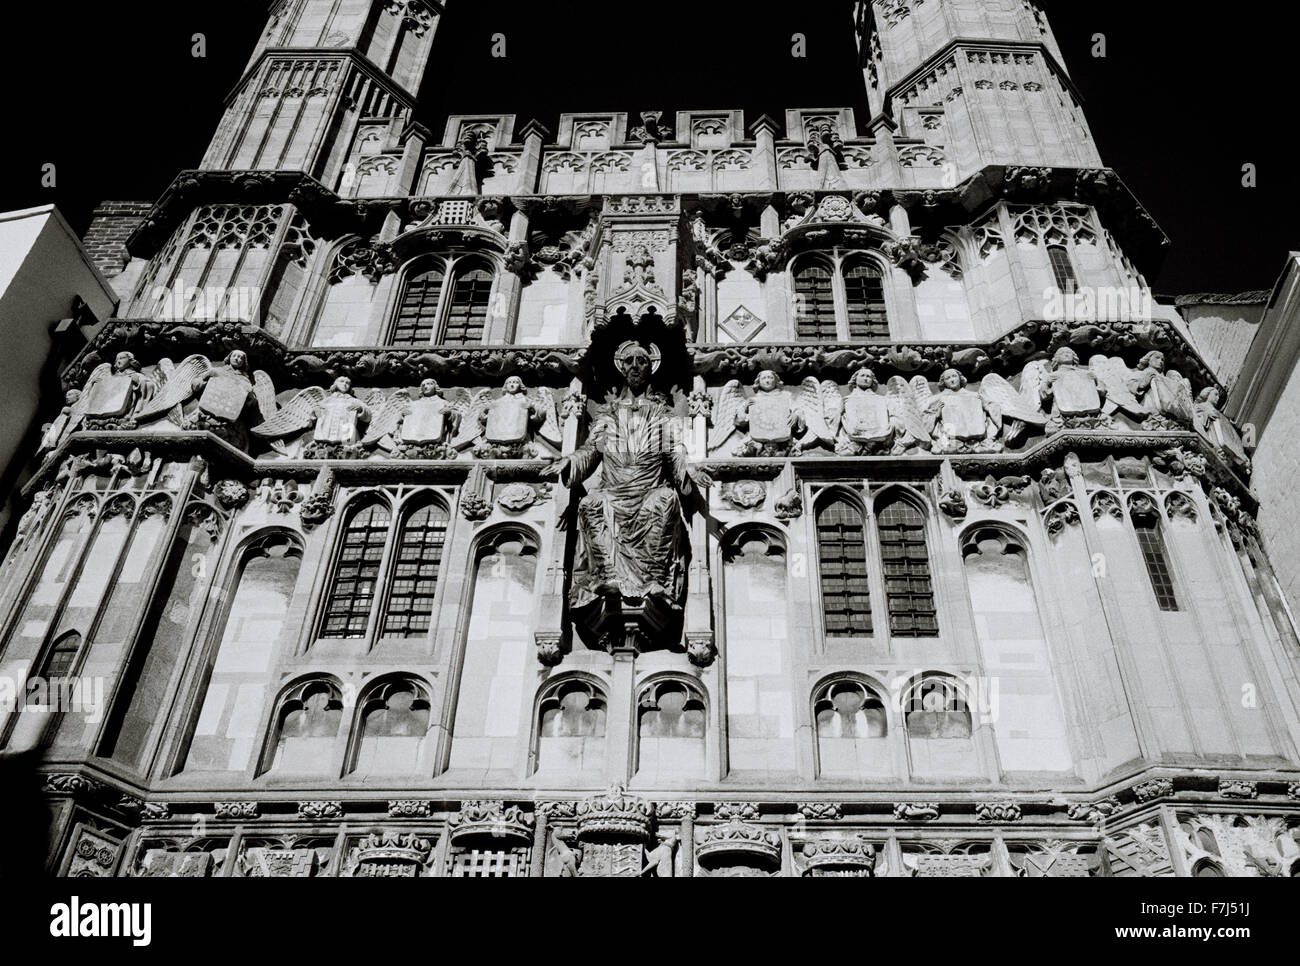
652,350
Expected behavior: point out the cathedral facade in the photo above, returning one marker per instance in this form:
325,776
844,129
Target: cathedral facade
674,495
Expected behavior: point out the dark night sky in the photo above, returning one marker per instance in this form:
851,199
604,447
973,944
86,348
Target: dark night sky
1185,97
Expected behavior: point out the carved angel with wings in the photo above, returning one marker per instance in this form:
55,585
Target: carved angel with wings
1016,410
1165,394
872,424
1077,393
335,418
418,428
223,393
113,391
507,423
959,420
777,421
1117,380
1218,429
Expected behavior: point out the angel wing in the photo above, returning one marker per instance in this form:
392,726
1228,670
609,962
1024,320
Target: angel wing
550,430
178,385
1117,379
264,393
387,417
904,406
474,417
821,406
920,390
1000,396
297,414
82,405
1181,405
731,403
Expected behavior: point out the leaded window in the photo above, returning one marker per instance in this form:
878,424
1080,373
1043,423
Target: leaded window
445,304
356,573
1156,557
842,558
815,305
414,581
909,590
864,295
1062,268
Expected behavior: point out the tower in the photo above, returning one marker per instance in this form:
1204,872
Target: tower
686,493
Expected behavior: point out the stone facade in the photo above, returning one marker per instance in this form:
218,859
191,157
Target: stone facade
669,495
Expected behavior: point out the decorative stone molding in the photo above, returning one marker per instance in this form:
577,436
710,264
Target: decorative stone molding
410,809
550,648
701,648
998,812
1155,788
675,811
820,811
745,494
790,506
736,811
1293,791
1093,812
1238,788
155,812
916,811
236,810
557,809
320,811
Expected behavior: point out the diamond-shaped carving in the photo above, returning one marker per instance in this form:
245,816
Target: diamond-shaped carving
742,325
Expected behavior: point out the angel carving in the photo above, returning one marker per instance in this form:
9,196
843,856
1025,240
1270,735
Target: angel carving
1016,410
1166,396
507,423
223,394
417,428
334,416
1218,429
958,419
1117,379
64,424
1077,394
114,391
873,424
775,420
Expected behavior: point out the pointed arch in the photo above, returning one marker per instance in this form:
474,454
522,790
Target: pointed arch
391,727
842,565
413,570
305,728
902,522
354,577
864,296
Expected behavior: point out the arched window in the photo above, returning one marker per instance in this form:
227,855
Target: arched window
864,297
1062,268
851,723
239,671
41,709
815,304
571,727
413,583
394,722
671,725
356,572
842,564
1155,554
495,650
445,303
909,591
62,657
935,707
306,728
417,316
1028,721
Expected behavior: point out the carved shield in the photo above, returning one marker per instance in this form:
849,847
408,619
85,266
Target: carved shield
1076,393
769,418
866,418
337,422
111,396
507,422
426,422
225,396
963,415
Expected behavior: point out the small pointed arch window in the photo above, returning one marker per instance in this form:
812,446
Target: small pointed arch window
571,727
306,728
935,707
850,708
842,567
1063,269
864,299
360,554
445,302
393,725
1155,553
413,579
909,586
814,287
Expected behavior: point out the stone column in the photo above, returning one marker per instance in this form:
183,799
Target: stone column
537,864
